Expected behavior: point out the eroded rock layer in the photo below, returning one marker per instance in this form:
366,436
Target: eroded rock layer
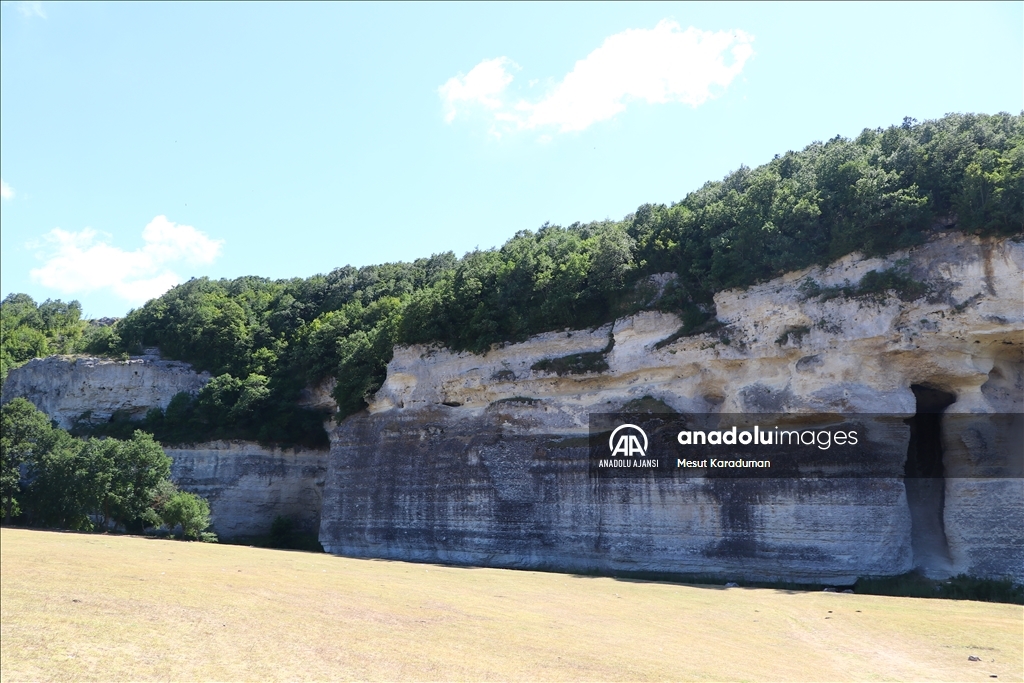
481,458
493,490
246,484
70,388
249,485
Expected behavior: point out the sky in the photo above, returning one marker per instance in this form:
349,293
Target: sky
145,144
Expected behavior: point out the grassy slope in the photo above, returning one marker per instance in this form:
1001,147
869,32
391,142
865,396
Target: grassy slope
90,607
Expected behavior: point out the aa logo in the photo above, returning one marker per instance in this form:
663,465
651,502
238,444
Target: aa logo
627,444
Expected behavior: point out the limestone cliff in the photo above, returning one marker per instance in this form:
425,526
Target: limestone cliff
69,387
477,458
247,484
482,459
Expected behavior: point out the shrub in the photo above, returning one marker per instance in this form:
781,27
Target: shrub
190,511
880,282
574,364
795,333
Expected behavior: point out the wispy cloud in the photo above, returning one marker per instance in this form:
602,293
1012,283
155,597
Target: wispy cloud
482,86
6,191
28,9
659,65
85,262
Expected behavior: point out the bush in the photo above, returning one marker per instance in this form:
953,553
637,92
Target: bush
189,511
574,364
880,282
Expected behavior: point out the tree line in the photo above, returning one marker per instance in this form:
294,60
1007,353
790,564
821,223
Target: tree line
265,340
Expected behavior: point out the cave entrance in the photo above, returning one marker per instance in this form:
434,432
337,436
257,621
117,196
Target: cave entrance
925,482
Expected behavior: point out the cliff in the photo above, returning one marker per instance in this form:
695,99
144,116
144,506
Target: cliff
481,459
69,387
247,484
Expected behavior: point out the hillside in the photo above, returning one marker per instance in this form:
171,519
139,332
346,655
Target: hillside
265,340
481,378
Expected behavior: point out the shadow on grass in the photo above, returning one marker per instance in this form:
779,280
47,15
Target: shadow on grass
306,543
960,587
910,585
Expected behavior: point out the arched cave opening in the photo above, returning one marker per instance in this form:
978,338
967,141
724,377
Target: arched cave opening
925,482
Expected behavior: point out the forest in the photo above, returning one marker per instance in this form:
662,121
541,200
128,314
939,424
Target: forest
265,340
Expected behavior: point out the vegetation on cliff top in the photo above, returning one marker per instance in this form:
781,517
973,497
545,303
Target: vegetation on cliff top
267,339
29,330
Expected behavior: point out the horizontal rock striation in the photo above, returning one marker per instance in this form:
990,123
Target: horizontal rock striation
480,458
495,490
68,387
248,485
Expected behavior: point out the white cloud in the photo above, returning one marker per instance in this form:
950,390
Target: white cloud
6,191
84,262
481,86
659,65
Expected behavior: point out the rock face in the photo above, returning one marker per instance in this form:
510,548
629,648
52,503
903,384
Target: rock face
249,485
246,484
481,458
68,387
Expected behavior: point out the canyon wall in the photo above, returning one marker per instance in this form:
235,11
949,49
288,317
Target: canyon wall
482,459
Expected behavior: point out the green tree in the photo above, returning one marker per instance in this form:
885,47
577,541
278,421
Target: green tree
188,510
29,331
67,482
25,433
265,340
137,467
73,483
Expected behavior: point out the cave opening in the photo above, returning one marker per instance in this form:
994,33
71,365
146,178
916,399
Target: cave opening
925,482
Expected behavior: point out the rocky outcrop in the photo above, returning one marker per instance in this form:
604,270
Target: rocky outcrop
68,388
248,485
496,490
482,458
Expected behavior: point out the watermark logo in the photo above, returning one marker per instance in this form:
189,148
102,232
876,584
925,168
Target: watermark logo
830,446
628,444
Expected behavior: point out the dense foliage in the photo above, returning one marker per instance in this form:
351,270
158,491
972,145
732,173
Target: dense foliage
28,330
265,340
52,479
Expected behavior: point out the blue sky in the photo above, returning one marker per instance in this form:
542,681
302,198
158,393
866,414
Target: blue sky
143,144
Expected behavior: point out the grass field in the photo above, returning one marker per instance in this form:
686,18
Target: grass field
93,607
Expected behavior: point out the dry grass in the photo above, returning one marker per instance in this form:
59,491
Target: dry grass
89,607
